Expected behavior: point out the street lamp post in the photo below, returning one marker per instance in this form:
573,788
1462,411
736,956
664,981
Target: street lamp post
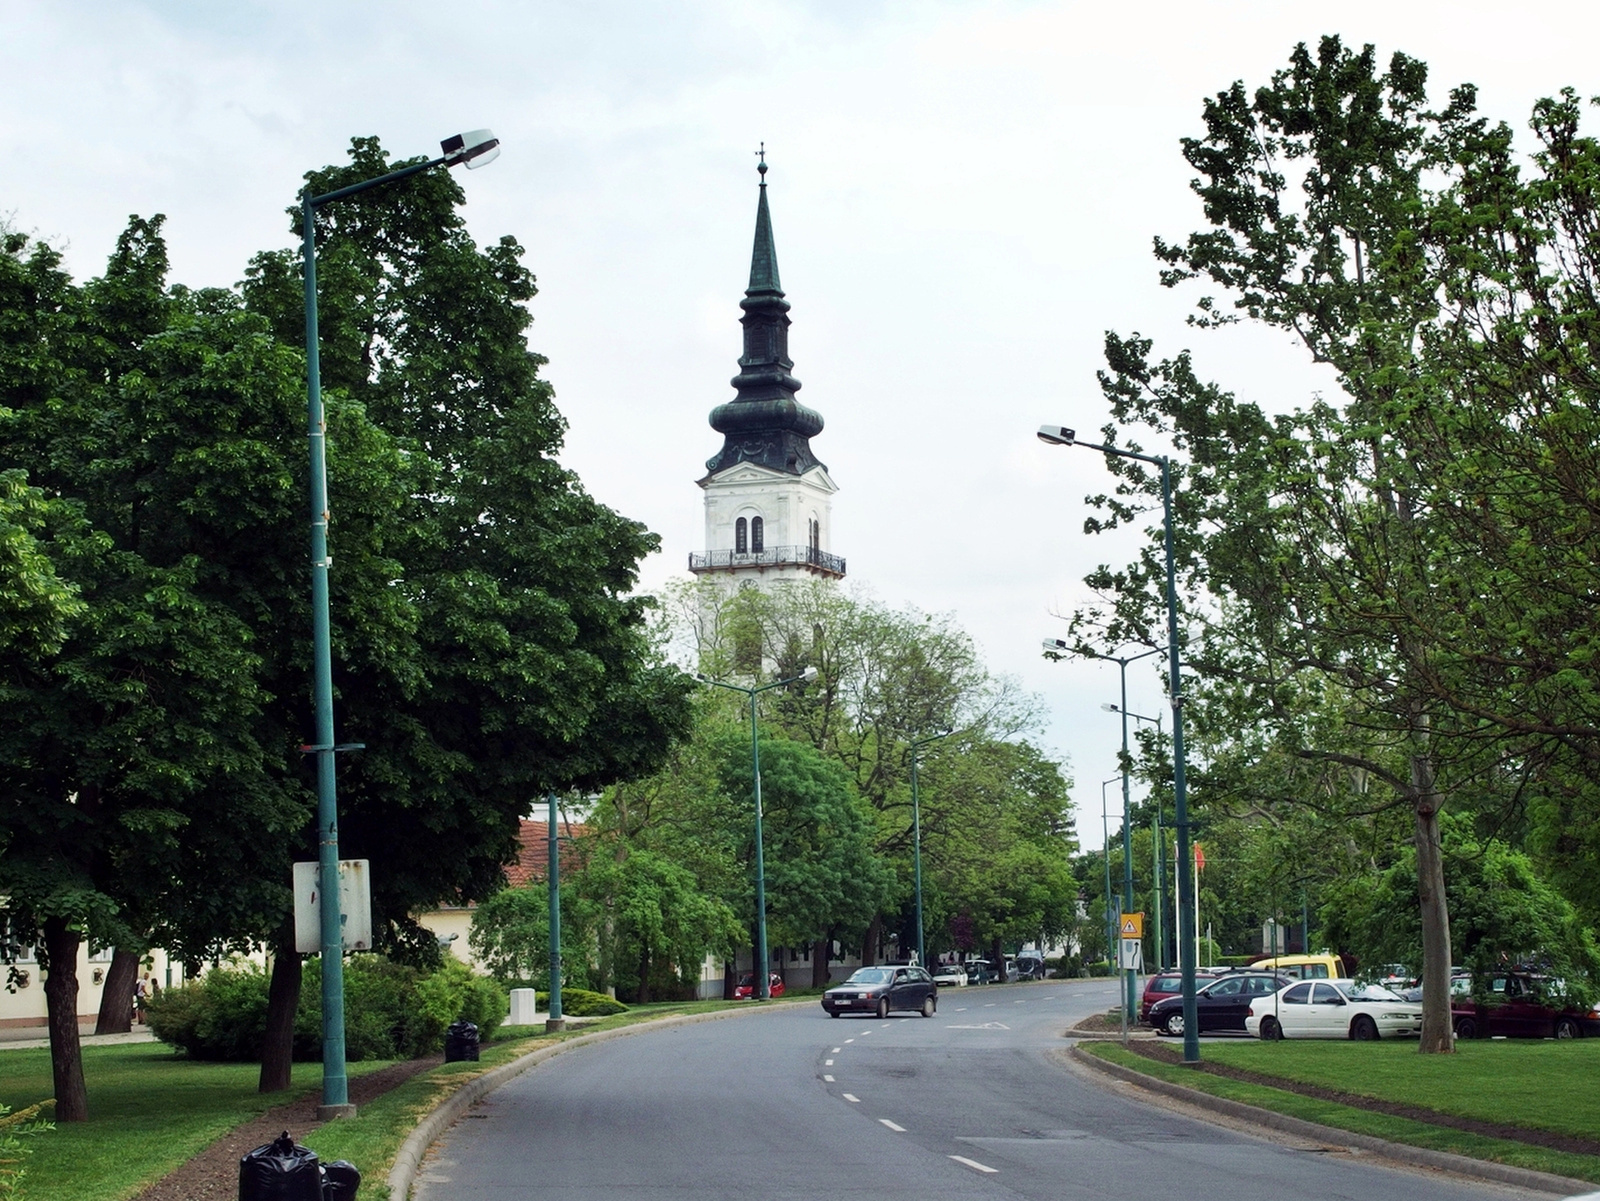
763,981
1059,435
1127,808
473,149
1105,854
916,836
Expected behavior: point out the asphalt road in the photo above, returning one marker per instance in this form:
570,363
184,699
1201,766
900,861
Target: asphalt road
792,1104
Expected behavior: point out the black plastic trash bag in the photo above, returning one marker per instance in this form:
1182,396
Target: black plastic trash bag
461,1042
340,1180
280,1171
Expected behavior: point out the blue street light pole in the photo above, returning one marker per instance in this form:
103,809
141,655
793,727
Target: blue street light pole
916,836
761,971
474,150
1058,435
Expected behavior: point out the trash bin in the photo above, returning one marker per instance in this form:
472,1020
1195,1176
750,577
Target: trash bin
340,1180
280,1171
461,1042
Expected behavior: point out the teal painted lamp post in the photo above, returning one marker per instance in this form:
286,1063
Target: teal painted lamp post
916,836
762,970
473,150
555,1022
1060,435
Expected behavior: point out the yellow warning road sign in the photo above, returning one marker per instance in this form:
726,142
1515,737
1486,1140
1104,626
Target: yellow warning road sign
1133,925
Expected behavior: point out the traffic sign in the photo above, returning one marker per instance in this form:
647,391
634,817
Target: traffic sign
1133,925
1131,955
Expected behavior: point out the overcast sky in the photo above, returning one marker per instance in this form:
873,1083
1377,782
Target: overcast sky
963,195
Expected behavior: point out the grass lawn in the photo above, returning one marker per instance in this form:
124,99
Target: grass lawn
1476,1082
149,1111
1522,1082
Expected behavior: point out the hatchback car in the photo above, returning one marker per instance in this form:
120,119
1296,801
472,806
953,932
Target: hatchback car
1334,1009
979,972
746,987
1221,1005
1521,1005
1161,985
950,975
878,990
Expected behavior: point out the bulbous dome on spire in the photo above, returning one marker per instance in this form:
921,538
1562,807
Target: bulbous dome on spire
764,423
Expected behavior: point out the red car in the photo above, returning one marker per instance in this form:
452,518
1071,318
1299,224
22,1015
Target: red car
1166,984
1521,1005
747,986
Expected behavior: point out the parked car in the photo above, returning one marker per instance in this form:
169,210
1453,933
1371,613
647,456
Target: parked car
879,990
950,975
979,972
1334,1009
1029,967
1162,985
746,987
1521,1005
1305,967
1220,1005
1460,986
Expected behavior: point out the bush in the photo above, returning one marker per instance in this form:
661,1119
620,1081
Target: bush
391,1011
581,1003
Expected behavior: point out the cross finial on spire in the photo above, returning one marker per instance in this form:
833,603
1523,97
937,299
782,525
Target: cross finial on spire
762,166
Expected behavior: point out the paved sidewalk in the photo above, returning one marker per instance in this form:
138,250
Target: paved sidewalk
18,1038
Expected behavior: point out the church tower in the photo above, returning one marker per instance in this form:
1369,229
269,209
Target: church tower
768,498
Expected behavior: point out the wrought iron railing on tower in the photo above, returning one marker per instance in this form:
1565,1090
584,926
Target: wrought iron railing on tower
772,556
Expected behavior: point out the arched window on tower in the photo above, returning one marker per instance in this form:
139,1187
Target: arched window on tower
740,545
816,535
757,537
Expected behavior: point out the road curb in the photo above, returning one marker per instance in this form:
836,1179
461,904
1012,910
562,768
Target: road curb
415,1148
1422,1157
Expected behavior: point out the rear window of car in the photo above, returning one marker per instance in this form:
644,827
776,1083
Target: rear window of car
1166,984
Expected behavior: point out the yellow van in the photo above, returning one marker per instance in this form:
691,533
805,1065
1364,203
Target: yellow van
1305,967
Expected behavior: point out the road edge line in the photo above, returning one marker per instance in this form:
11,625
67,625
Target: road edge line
1423,1157
414,1150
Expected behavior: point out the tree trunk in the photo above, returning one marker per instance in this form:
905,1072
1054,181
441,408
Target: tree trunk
730,979
283,1000
644,976
819,962
116,999
61,1004
997,960
869,946
1437,1035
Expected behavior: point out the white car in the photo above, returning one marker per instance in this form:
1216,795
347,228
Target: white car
1334,1009
950,975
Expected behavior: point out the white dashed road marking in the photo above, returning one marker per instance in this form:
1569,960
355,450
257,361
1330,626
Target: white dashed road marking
849,1040
892,1126
829,1079
974,1164
852,1098
835,1051
827,1063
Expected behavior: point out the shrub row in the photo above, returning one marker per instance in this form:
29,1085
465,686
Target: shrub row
391,1011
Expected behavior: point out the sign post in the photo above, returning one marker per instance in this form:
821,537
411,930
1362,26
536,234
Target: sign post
1130,955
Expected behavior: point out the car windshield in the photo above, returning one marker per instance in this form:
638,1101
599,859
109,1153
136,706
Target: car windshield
1369,992
869,975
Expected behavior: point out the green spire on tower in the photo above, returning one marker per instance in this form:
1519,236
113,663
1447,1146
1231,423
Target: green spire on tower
764,258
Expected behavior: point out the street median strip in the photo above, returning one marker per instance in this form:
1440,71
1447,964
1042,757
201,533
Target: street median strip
1405,1140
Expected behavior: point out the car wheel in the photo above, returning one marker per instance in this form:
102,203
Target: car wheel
883,1008
1466,1028
1363,1029
1270,1030
928,1006
1567,1028
1173,1024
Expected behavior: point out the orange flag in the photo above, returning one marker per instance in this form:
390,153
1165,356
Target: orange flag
1199,858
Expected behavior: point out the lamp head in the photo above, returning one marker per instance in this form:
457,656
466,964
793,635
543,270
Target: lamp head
702,677
809,674
475,149
1057,435
1054,644
1109,708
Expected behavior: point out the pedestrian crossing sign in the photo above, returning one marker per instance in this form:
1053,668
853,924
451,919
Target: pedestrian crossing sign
1133,925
